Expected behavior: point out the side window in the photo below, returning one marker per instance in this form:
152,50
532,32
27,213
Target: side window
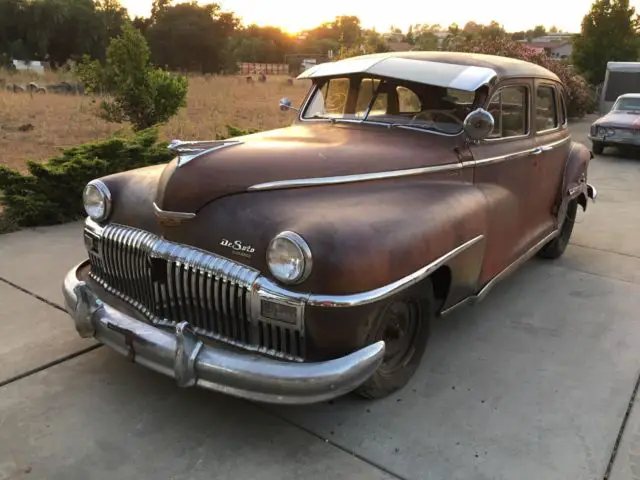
546,109
509,107
408,101
366,91
331,99
563,109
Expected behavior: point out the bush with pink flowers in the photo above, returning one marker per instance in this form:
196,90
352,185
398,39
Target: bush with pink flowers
580,95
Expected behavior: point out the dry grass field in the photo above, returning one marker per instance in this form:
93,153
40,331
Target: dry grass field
36,127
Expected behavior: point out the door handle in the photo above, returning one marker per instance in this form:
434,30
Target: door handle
536,151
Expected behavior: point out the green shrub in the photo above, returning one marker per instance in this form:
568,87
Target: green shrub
141,94
51,192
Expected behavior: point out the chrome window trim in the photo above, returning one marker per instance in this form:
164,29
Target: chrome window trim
565,110
364,177
529,129
316,87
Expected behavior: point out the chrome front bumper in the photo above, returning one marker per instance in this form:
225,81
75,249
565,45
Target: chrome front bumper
613,140
182,355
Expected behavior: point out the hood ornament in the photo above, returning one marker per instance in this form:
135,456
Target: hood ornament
190,150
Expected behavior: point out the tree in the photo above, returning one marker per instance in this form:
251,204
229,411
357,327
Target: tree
142,95
348,30
425,38
261,44
58,30
191,37
471,32
538,31
410,37
609,33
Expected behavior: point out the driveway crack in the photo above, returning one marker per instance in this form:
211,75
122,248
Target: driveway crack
376,465
625,420
34,295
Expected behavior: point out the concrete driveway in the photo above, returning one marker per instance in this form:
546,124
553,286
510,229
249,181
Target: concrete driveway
536,382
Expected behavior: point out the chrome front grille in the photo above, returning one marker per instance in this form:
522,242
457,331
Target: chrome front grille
169,283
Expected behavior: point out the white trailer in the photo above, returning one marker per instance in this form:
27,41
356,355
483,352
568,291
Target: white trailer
620,78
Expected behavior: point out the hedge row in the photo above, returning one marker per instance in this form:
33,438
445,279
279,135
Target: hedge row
51,192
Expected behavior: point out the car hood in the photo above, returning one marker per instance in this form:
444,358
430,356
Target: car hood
619,119
298,152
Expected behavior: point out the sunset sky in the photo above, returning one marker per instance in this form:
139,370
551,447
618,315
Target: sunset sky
297,15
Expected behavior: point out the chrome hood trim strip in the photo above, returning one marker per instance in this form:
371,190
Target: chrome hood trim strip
362,177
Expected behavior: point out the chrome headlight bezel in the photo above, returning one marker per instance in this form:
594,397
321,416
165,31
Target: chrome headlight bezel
105,194
304,256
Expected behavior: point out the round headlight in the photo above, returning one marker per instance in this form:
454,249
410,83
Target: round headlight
289,258
97,200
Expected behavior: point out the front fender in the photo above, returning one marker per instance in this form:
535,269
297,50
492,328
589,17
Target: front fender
362,235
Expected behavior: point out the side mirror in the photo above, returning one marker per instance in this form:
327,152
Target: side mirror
479,124
285,104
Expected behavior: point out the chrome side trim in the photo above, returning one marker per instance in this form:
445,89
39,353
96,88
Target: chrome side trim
365,177
171,215
265,287
190,150
473,299
523,153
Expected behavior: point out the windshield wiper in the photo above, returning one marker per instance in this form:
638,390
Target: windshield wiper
320,117
413,125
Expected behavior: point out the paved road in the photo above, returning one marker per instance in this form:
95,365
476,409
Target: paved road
534,383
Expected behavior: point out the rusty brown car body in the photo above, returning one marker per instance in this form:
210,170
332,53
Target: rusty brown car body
302,263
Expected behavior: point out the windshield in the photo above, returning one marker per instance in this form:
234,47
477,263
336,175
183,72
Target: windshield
391,102
627,104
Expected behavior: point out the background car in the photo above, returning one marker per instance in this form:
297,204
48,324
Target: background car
620,127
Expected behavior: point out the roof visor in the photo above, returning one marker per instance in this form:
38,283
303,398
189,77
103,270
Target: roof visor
448,75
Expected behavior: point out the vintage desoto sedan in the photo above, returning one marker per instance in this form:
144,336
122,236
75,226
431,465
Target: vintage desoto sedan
302,263
620,127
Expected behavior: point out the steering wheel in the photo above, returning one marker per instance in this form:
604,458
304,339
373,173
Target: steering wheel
432,116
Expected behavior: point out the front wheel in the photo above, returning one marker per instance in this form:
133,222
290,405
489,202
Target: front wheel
405,326
598,147
556,247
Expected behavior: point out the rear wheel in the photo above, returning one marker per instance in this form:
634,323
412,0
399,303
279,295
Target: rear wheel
556,247
405,326
598,147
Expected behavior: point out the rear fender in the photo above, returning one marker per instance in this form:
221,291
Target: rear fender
574,182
